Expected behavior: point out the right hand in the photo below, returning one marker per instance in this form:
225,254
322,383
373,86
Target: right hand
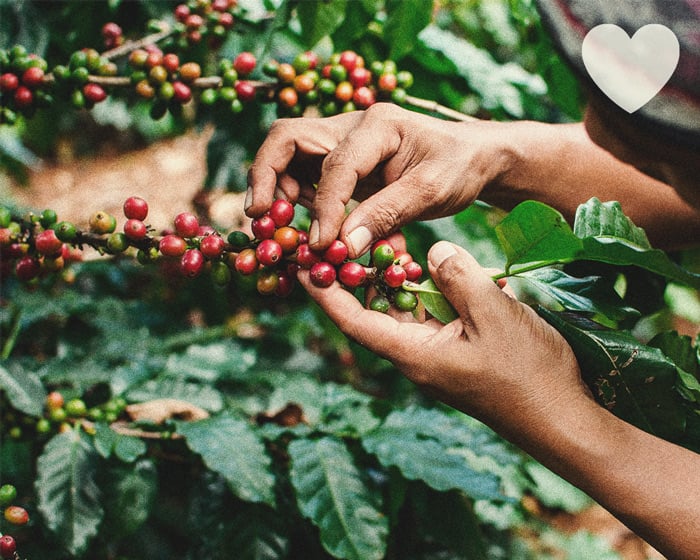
402,165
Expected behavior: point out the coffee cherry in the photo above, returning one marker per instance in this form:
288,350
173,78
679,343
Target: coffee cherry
76,408
394,275
288,97
186,224
263,227
336,253
238,239
191,263
171,62
380,303
101,222
245,90
135,208
221,273
244,63
268,252
267,282
54,400
285,284
286,73
8,82
387,83
172,245
135,229
8,547
94,93
27,268
212,246
182,93
190,71
66,231
405,301
16,515
23,97
47,219
288,238
117,242
383,256
413,271
33,77
364,97
47,243
246,262
282,212
344,91
322,274
8,494
352,274
306,257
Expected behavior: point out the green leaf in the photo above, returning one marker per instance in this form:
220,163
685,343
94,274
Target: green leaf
535,232
634,381
606,219
23,388
126,448
331,493
434,302
405,20
592,294
130,493
425,444
231,447
555,492
319,19
67,495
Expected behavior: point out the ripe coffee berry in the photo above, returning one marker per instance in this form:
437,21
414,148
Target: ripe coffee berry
394,275
288,238
186,224
268,252
322,274
413,271
352,274
33,77
181,92
16,515
8,547
135,207
336,253
8,82
171,62
245,90
285,284
54,400
212,246
190,71
191,263
244,63
27,268
135,229
47,243
23,97
282,212
263,227
172,245
306,257
246,262
94,93
267,282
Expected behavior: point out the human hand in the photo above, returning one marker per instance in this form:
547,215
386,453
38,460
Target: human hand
404,166
499,361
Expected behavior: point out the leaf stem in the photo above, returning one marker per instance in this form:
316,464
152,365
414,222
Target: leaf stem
12,337
535,266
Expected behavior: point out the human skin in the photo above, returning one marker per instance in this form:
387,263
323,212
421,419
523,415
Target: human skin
498,361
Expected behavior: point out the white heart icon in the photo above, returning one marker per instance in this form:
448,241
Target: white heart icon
630,71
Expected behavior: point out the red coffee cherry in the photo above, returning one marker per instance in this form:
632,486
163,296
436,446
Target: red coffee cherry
172,245
33,77
268,252
191,263
245,90
212,246
352,274
246,262
23,97
47,243
348,59
282,212
364,97
181,92
244,63
394,275
190,71
306,257
413,271
322,274
94,93
135,208
186,224
359,77
135,229
288,238
27,268
285,284
263,227
336,253
8,547
181,12
16,515
171,62
8,82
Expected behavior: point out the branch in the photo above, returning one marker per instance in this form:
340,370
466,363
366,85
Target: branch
435,107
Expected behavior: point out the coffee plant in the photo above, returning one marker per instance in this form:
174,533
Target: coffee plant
169,393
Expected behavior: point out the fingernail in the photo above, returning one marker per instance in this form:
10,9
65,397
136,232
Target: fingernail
439,252
314,233
280,194
248,198
359,240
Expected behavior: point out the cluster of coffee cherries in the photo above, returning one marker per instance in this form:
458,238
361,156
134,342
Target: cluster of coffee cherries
200,19
73,80
14,515
274,252
23,87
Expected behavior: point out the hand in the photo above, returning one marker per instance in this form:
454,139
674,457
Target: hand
499,361
404,166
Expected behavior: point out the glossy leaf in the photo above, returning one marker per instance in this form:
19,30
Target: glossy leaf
405,20
231,447
434,302
23,388
319,19
331,492
424,444
67,494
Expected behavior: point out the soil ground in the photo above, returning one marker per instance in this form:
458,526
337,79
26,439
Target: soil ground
170,175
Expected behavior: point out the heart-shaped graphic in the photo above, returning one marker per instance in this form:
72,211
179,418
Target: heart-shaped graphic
630,71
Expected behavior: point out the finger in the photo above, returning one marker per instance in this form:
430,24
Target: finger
369,144
467,285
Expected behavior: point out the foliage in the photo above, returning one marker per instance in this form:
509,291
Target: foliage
268,434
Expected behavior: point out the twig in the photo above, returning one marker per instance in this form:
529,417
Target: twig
128,46
435,107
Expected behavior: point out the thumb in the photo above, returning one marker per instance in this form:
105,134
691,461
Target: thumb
462,280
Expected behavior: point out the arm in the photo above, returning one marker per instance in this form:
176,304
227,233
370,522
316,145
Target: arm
503,364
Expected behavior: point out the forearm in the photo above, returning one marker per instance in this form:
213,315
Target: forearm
650,484
560,166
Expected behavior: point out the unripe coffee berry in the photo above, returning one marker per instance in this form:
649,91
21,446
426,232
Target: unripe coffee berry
8,494
135,207
322,274
380,303
186,224
405,301
135,229
76,408
117,242
383,256
267,282
238,239
268,252
190,71
352,274
101,222
191,263
336,253
16,515
212,246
